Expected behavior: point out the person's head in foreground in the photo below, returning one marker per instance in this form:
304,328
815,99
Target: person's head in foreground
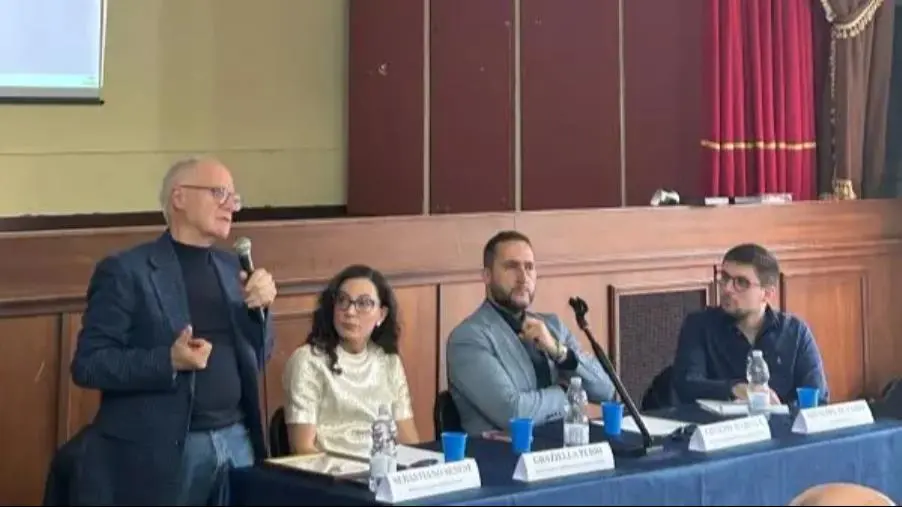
840,494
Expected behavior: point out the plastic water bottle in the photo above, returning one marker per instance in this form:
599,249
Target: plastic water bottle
384,452
576,422
758,375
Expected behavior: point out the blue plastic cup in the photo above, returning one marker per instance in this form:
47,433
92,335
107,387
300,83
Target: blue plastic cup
521,434
808,397
612,415
454,445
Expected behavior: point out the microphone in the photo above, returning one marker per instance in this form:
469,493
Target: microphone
580,308
242,247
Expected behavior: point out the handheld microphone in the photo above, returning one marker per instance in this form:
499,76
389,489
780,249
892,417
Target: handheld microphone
243,249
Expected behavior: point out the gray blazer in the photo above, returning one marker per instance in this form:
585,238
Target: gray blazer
492,379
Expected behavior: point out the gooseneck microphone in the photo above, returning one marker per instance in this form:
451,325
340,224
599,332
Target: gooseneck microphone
649,444
242,247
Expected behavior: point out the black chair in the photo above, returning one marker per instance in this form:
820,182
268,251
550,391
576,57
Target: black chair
660,394
62,483
444,414
278,434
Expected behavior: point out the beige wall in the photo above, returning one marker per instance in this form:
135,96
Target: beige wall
260,83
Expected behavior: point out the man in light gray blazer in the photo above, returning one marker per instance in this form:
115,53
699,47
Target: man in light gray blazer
505,361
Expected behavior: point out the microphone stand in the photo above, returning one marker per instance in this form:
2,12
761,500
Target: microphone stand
580,308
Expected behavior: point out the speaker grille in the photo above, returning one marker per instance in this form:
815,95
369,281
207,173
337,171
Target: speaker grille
649,326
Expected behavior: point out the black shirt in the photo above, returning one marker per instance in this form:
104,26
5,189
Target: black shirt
217,388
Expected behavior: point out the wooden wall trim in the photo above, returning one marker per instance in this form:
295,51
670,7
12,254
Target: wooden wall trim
54,267
140,218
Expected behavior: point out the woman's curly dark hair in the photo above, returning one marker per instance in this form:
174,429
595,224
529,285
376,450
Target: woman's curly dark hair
325,338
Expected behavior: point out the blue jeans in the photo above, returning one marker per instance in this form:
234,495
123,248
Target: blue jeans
207,458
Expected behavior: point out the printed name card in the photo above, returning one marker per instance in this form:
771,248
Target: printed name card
421,482
832,417
541,465
732,433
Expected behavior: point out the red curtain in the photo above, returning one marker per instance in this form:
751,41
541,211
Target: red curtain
760,78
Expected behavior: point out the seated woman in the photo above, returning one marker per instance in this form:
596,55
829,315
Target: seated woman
336,382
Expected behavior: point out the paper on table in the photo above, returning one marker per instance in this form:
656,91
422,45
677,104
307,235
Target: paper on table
408,455
736,407
322,464
657,427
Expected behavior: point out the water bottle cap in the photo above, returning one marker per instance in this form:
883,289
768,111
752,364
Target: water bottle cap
757,353
576,381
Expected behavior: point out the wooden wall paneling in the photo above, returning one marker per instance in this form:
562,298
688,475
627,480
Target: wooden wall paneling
291,331
53,268
386,59
471,106
418,308
77,405
29,404
833,302
631,238
304,255
455,303
292,321
883,348
663,102
570,104
66,388
839,260
553,295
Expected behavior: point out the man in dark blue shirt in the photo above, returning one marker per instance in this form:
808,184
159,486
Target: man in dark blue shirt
715,343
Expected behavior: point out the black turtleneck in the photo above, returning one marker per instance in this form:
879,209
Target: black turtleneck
217,388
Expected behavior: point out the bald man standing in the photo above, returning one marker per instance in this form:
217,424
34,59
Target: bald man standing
173,340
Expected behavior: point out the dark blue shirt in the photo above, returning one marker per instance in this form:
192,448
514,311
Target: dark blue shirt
712,353
217,389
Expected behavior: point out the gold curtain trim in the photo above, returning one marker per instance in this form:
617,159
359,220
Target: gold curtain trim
758,145
856,25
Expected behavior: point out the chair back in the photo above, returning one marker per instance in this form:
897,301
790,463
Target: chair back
278,434
444,415
660,394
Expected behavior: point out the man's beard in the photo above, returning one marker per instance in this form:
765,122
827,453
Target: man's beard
503,299
737,314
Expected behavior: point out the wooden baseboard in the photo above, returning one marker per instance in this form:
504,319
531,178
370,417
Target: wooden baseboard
102,220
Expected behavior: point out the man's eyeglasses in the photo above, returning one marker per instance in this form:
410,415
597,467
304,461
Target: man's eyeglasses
740,283
221,195
363,304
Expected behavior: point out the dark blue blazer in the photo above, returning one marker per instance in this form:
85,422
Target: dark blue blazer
136,307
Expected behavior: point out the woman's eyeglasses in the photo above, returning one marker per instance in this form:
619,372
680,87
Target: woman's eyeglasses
363,304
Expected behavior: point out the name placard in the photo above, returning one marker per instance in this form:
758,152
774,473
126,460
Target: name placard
833,417
732,433
415,483
541,465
